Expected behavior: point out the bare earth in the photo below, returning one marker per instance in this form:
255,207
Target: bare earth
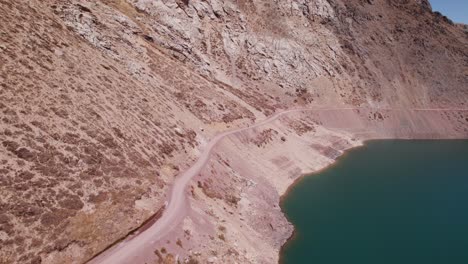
139,246
114,110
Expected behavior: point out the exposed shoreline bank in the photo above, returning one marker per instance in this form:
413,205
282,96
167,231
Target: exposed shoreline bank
297,182
338,159
340,140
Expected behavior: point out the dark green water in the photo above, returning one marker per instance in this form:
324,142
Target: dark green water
390,202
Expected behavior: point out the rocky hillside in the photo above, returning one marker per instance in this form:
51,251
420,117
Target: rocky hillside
103,103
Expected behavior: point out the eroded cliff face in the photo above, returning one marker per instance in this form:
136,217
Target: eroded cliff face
103,103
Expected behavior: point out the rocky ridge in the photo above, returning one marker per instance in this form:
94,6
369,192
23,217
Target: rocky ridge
103,103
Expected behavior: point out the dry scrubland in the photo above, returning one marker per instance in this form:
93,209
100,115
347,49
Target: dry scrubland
103,103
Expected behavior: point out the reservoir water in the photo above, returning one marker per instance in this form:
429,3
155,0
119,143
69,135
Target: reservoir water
388,202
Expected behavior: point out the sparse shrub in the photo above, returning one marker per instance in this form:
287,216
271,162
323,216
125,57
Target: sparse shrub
157,253
192,261
179,243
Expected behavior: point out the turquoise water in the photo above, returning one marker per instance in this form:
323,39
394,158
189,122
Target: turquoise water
389,202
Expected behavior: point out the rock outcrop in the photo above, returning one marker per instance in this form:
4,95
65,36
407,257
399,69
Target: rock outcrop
103,103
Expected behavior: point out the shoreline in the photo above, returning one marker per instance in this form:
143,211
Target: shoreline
353,143
345,153
298,181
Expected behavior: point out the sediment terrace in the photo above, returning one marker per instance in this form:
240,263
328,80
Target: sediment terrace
141,246
104,103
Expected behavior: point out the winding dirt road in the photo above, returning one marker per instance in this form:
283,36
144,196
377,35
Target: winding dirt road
177,206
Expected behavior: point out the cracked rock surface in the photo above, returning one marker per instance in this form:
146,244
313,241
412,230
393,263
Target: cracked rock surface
104,103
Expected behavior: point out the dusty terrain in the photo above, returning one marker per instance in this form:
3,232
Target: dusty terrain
104,103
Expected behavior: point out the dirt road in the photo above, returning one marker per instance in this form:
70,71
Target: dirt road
177,206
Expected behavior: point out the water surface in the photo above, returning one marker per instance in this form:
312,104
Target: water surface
391,201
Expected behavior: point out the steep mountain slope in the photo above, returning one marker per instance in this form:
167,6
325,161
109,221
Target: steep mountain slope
104,103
